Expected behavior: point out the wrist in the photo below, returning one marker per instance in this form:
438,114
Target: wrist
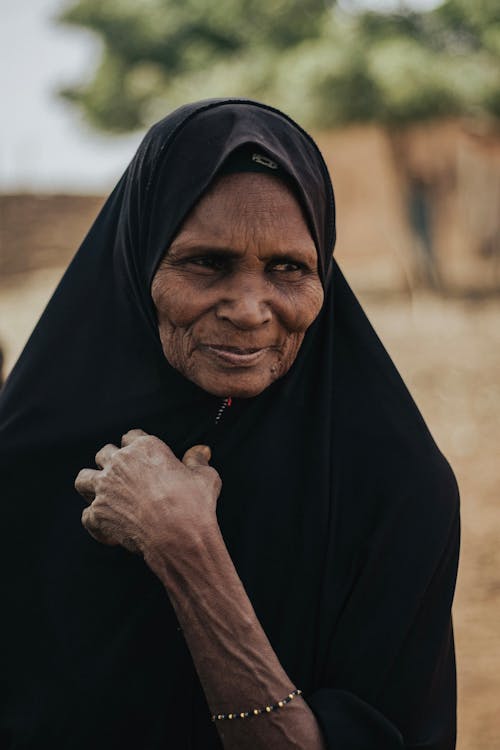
182,554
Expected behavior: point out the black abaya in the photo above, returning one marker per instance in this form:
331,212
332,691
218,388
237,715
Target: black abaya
346,539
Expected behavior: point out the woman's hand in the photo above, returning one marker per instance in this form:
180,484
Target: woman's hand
147,500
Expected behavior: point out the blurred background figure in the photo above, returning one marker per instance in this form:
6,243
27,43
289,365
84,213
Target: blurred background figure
404,100
420,201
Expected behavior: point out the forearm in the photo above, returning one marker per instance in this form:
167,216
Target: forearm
237,666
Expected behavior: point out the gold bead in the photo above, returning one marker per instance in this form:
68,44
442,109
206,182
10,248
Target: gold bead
230,716
290,695
281,704
256,711
268,709
220,717
242,714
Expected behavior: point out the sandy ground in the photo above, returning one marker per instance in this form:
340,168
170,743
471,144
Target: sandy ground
449,354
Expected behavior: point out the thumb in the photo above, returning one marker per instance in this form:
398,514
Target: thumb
198,455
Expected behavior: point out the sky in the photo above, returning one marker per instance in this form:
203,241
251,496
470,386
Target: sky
45,144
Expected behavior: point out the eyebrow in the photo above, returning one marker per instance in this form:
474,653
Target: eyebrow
205,248
232,254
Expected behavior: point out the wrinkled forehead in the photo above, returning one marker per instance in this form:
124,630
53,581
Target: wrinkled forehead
248,211
203,146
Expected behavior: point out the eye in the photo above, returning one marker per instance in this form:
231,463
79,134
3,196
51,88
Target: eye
286,265
209,262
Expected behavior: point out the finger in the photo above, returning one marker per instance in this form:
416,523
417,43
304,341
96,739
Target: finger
150,444
85,483
105,454
90,525
132,435
198,455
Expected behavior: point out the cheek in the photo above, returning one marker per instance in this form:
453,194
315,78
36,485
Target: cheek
176,312
173,304
179,302
302,307
302,310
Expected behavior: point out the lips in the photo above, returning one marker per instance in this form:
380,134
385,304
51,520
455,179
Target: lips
236,355
236,349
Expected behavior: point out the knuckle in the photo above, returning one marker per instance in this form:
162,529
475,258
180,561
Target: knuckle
153,440
150,443
81,480
134,433
102,452
139,442
214,478
87,517
100,482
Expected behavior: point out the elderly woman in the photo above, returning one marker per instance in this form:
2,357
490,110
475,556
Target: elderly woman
269,550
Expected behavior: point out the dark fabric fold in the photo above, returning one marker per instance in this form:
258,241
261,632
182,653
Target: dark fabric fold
345,538
351,724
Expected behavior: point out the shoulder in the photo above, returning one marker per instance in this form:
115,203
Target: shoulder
399,491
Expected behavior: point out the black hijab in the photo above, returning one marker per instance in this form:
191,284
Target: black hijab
346,538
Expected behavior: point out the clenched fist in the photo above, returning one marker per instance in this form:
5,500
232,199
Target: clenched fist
145,499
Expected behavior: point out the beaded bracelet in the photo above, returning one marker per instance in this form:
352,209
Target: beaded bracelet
257,711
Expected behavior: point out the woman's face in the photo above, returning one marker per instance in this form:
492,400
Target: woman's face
238,287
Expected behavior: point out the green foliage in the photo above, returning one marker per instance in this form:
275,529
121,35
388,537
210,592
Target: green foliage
320,63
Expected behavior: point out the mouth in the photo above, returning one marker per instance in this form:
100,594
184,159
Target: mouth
235,355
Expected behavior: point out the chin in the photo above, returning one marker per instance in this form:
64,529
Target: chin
235,390
237,386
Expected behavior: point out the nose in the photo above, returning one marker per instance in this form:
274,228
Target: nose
246,306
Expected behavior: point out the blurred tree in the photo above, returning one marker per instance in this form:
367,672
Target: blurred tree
324,63
155,49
